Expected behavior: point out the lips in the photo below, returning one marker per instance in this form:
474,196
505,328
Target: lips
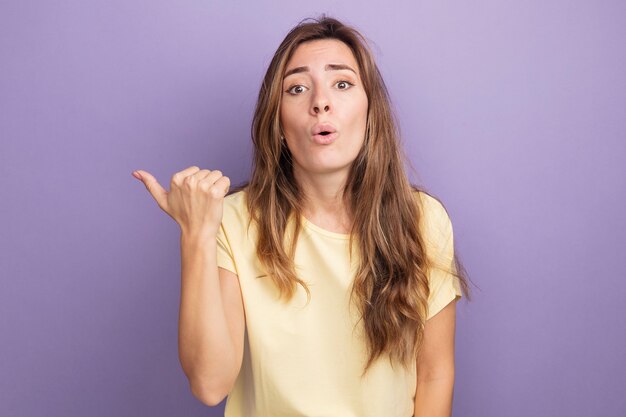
323,129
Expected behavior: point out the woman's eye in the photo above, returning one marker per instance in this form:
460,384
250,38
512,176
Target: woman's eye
299,89
344,85
296,89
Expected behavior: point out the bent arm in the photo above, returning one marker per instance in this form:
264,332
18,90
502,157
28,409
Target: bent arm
211,321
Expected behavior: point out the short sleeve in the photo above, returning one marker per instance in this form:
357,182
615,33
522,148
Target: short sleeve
444,286
225,258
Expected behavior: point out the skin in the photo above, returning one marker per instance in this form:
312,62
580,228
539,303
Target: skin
321,95
337,96
212,319
435,366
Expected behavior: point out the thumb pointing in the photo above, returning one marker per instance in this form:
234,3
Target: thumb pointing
153,186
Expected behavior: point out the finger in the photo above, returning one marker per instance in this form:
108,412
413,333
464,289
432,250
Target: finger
178,178
156,190
223,183
200,175
212,177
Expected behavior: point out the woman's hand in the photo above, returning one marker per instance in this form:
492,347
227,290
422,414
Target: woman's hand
195,200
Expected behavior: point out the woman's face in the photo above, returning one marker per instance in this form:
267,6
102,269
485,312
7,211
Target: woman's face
322,91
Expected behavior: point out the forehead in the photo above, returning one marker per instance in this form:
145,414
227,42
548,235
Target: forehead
322,51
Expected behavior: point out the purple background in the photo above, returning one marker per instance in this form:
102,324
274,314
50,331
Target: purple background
513,113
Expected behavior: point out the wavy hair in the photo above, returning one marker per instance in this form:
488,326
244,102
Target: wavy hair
391,288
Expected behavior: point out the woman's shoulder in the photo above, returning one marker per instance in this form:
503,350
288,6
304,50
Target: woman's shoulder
434,221
236,198
431,207
235,208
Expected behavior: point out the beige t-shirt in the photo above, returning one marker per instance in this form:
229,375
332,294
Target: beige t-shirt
306,359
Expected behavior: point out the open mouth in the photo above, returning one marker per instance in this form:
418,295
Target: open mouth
324,133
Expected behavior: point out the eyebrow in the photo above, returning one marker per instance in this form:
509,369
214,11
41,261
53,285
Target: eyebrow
328,67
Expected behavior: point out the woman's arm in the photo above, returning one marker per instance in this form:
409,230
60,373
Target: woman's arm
435,366
211,321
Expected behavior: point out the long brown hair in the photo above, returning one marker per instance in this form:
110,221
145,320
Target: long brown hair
390,289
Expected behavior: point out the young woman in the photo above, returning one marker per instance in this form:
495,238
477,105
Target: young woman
326,286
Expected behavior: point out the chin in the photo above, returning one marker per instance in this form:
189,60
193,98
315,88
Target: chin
327,168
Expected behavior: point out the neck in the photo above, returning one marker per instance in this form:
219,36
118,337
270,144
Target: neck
323,199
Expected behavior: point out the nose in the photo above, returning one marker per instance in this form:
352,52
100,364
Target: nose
316,109
320,101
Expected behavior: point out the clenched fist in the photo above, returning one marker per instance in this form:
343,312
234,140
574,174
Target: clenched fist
195,200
